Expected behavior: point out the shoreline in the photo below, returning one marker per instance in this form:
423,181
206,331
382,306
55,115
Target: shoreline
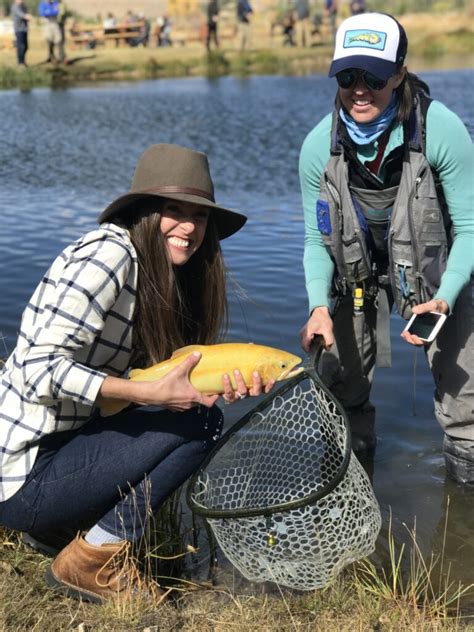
87,69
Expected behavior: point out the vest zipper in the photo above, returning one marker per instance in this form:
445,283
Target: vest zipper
413,235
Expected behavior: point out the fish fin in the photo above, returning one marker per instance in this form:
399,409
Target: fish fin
187,350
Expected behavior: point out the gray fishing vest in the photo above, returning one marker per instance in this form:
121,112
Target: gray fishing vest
415,235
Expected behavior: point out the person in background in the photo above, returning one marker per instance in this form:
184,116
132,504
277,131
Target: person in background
387,190
212,24
143,35
131,17
49,11
131,20
163,31
330,9
21,17
157,31
317,23
244,15
109,25
357,7
63,15
288,25
303,23
149,280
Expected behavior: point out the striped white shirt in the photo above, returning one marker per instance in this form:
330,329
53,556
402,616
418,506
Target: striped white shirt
76,330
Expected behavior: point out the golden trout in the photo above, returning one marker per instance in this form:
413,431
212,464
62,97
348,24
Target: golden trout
206,376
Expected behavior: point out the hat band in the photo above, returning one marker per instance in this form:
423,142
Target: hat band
187,190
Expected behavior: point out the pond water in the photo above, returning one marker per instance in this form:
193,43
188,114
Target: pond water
66,154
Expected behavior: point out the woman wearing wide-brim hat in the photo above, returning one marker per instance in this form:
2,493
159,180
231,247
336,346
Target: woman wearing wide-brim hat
388,200
148,281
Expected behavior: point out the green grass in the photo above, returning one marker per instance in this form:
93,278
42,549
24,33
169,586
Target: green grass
410,594
213,65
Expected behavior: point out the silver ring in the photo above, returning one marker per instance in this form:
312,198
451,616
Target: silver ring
241,396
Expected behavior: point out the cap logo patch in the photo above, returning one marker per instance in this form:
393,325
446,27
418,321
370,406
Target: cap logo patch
365,39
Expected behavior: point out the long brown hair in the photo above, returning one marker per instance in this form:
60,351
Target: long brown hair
175,305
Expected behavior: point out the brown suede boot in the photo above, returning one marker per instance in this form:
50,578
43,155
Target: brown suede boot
98,573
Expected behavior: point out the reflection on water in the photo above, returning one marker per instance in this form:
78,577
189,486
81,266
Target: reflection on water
67,154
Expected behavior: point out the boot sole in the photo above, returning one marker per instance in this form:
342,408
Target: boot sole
36,545
70,590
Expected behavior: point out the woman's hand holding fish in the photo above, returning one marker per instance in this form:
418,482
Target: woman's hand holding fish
319,323
230,395
173,391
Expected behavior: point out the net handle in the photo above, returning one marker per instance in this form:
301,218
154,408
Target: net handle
316,348
310,362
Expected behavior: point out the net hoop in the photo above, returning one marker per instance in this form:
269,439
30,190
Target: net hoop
309,499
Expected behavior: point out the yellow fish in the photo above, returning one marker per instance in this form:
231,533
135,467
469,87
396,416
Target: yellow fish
206,376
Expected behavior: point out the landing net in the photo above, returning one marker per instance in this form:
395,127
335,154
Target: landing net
284,495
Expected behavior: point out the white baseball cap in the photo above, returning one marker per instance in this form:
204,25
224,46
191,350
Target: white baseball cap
375,42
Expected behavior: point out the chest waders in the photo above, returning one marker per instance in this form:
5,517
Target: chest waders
390,240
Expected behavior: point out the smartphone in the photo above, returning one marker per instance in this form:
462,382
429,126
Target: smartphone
425,326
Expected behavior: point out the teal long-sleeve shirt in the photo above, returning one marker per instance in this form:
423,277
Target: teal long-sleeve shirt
449,151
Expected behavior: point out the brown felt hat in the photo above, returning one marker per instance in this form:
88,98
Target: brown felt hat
175,173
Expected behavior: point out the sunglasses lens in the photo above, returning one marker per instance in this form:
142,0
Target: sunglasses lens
373,82
346,78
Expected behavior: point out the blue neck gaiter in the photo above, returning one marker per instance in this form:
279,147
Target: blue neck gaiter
365,133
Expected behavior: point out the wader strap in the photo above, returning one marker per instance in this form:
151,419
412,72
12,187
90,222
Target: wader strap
335,141
384,350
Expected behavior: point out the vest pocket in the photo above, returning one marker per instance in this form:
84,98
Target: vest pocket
433,264
323,217
355,266
431,228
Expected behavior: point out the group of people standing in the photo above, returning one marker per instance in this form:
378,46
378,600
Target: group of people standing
53,14
301,26
386,181
244,13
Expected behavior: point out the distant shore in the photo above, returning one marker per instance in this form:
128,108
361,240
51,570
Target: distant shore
435,42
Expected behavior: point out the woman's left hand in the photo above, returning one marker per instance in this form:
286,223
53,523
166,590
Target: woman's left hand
435,305
230,395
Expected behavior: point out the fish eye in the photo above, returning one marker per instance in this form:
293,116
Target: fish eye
283,365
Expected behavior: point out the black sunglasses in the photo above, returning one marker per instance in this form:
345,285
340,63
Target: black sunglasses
347,78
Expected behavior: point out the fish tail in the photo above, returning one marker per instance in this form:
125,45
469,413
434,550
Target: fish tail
111,407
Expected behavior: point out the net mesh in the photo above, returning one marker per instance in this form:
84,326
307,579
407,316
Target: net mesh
287,464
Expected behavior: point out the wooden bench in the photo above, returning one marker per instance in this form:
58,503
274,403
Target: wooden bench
7,34
92,35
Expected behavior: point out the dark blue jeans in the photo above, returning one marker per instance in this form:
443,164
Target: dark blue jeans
115,471
21,45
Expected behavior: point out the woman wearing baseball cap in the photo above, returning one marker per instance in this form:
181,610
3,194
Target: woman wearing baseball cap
388,201
149,280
